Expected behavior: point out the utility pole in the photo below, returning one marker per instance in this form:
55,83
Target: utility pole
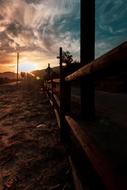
17,67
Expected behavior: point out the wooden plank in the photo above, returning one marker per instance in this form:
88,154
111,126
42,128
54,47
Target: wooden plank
51,102
56,113
87,31
102,168
56,80
87,55
76,179
62,107
57,117
64,129
57,100
114,60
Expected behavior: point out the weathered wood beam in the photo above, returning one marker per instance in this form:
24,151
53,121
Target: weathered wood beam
76,180
87,37
87,47
56,80
111,62
99,164
57,117
57,100
65,95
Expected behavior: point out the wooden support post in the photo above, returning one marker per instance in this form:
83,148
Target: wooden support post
87,55
67,97
17,67
49,71
52,86
62,119
63,104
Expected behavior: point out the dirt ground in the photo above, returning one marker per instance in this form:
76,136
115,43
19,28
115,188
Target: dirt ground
108,130
31,155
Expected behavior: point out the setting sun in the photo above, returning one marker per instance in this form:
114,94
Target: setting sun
27,66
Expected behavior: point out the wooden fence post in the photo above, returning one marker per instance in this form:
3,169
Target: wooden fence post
87,55
52,86
63,103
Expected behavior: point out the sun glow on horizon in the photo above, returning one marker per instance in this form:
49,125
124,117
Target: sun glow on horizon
27,66
28,61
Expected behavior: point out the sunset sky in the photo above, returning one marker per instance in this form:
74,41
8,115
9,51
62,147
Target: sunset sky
37,28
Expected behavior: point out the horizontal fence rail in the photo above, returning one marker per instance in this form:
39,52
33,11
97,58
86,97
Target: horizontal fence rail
90,165
113,61
99,163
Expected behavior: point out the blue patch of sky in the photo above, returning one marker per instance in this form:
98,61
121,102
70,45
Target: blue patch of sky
69,25
71,21
111,24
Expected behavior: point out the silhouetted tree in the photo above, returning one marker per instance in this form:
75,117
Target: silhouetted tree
67,58
71,65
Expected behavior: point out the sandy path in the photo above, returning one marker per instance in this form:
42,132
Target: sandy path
31,156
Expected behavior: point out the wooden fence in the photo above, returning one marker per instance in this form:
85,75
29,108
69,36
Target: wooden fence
90,169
